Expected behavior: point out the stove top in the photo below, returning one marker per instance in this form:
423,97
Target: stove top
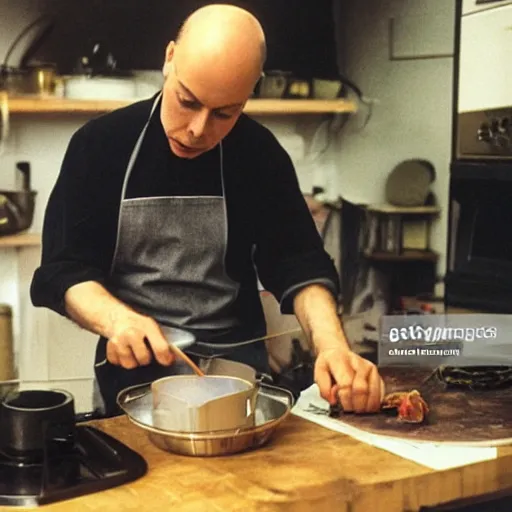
95,462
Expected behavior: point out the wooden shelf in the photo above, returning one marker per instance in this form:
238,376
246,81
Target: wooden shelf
264,106
45,105
38,105
403,210
21,240
407,255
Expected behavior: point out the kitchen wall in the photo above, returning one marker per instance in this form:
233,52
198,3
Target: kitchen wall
411,119
411,92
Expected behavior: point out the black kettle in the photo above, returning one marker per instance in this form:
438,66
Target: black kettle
17,206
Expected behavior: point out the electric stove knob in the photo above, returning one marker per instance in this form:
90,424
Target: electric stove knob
504,126
484,133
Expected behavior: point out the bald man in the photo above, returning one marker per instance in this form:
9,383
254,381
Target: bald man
166,213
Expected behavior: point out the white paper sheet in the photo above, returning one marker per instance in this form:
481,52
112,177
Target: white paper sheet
311,406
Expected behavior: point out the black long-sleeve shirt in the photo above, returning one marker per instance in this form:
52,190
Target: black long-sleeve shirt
269,224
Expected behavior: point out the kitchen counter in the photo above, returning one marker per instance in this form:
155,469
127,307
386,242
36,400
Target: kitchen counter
304,467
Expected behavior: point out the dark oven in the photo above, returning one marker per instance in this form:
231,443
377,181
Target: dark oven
479,273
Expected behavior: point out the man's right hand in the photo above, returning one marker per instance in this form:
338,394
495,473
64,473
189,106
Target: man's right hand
127,346
131,337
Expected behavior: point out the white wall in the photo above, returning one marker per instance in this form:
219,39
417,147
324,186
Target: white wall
412,114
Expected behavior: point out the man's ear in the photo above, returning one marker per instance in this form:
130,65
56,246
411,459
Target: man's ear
169,52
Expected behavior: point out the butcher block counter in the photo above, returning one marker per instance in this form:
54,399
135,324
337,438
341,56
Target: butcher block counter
304,467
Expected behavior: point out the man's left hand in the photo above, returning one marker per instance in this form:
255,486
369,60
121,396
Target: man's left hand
345,377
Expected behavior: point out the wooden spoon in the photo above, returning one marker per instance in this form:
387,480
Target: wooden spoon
179,353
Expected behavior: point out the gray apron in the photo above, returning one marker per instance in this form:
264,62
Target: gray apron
169,263
169,258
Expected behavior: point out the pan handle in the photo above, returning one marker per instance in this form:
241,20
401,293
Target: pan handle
96,414
133,393
278,393
24,168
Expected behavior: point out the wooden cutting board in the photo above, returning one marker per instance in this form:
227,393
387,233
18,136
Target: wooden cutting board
476,418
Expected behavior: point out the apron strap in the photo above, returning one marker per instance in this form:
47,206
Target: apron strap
131,163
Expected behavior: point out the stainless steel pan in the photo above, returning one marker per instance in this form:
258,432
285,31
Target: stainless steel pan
273,405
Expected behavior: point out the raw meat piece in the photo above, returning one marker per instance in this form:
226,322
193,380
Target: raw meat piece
411,406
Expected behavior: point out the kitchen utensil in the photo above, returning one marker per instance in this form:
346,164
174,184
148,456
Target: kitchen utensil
9,381
99,60
99,87
6,344
179,339
36,79
187,403
17,206
299,88
273,84
254,340
326,89
223,399
27,42
272,407
35,422
181,355
25,77
4,119
42,78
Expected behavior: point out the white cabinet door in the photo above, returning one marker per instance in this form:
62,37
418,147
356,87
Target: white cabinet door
485,76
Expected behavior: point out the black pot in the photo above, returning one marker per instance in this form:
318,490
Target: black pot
17,206
35,424
16,211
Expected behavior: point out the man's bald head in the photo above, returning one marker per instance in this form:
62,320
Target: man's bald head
223,45
227,26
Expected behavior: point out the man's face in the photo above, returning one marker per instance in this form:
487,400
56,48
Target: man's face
198,113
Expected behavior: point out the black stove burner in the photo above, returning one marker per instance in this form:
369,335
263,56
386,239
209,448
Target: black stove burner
96,462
